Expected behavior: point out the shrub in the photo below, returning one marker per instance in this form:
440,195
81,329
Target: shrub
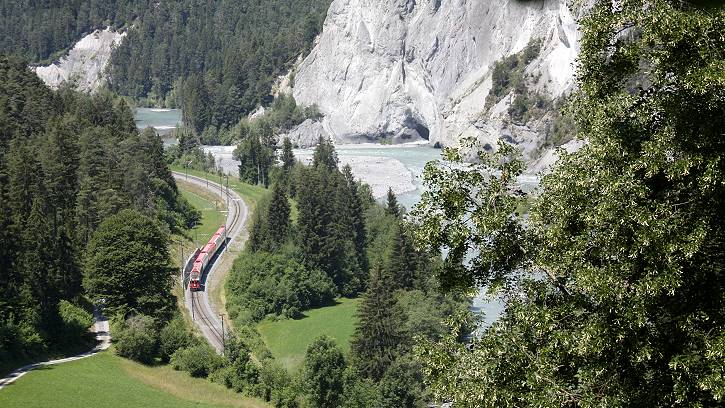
76,320
174,336
262,284
198,360
137,339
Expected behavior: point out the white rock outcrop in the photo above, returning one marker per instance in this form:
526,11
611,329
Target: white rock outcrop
411,69
85,63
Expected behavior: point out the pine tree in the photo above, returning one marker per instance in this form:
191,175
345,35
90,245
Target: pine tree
378,338
278,217
357,216
325,154
288,157
392,207
401,264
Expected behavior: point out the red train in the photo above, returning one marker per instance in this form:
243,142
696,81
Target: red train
202,260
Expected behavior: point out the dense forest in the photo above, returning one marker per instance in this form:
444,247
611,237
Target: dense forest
67,163
217,60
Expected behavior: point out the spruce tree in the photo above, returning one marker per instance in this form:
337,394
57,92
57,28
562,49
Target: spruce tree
378,338
392,207
325,154
401,264
288,157
357,216
278,217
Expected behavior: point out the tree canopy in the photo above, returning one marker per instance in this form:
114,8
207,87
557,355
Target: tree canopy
614,282
127,264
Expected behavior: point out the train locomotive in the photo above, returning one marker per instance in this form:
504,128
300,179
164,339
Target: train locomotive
205,255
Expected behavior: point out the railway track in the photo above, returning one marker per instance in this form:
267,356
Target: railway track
198,303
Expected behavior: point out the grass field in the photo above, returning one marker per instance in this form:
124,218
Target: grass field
211,215
106,380
251,194
288,339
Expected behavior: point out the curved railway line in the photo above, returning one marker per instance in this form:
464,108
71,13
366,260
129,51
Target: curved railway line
205,316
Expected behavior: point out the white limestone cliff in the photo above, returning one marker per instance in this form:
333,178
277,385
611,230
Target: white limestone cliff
410,69
85,63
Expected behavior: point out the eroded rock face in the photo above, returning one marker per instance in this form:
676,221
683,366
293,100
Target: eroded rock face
85,63
411,69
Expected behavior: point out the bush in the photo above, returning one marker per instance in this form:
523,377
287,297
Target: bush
76,321
262,284
174,336
198,360
239,372
508,73
137,339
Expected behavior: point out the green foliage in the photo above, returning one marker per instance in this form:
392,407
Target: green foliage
615,280
508,73
378,338
67,162
76,321
271,225
392,207
261,283
199,360
451,216
322,374
331,224
401,386
136,338
256,156
174,335
360,392
528,105
127,264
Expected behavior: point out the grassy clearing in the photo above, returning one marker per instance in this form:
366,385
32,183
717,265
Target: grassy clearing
288,339
251,194
211,215
106,380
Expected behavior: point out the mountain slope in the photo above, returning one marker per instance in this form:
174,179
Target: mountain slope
405,70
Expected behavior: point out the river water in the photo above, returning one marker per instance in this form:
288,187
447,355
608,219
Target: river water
163,120
399,167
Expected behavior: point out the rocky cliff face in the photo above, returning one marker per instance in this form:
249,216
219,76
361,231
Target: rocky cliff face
85,62
411,69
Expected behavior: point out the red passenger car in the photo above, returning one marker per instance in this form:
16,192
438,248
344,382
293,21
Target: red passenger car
202,260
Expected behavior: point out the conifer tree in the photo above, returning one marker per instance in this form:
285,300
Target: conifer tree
278,217
357,216
288,157
325,154
378,337
402,265
392,207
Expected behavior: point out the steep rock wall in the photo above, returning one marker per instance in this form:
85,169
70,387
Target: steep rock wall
85,63
411,69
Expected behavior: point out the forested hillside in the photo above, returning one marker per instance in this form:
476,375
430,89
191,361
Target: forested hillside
67,162
38,30
217,60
